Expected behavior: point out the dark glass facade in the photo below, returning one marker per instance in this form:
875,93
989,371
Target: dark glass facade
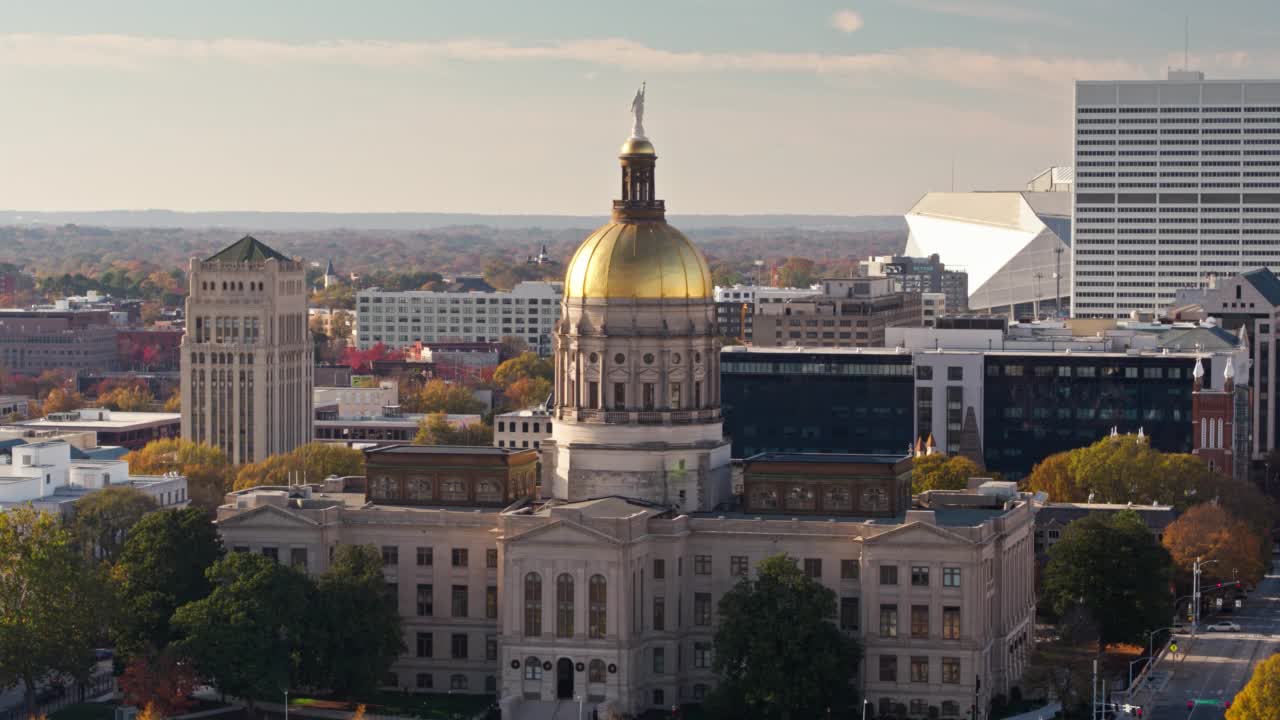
1039,405
817,402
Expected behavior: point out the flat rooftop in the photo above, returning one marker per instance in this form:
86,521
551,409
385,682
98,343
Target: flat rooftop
945,517
446,450
118,421
826,458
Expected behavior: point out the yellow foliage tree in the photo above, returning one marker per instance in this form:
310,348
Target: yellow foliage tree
174,403
310,463
1260,698
438,396
128,399
526,392
524,365
207,470
942,472
437,430
60,400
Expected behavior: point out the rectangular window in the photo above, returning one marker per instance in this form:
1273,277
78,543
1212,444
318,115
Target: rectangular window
424,557
888,621
491,558
491,647
459,557
593,394
701,564
659,613
849,569
737,565
955,373
951,577
424,645
950,623
620,396
393,595
888,668
919,621
849,618
390,555
647,395
491,602
702,608
426,603
888,574
425,681
920,576
919,669
951,670
702,655
675,396
813,568
659,661
459,600
924,372
659,569
298,558
272,553
458,644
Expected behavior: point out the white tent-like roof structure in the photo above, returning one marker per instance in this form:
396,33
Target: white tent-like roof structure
1006,241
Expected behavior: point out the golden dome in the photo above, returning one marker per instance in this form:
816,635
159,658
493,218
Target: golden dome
646,260
637,146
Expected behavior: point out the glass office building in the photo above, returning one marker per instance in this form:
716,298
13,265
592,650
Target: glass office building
1039,404
782,400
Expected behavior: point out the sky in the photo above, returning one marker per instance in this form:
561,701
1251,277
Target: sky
495,106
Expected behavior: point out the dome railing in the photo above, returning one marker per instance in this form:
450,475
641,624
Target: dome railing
642,417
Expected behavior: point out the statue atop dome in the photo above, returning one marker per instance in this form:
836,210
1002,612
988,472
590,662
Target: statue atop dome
637,109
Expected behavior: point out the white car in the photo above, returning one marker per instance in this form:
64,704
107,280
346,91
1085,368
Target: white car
1224,626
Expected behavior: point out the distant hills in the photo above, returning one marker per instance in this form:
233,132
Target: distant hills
314,221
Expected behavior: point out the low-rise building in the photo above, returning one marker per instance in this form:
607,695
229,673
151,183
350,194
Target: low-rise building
390,425
132,430
922,275
850,312
1052,519
356,401
736,306
45,475
32,341
522,428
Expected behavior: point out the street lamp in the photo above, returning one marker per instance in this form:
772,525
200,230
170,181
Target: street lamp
1197,568
286,703
865,703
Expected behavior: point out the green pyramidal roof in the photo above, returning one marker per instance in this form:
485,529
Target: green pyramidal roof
246,249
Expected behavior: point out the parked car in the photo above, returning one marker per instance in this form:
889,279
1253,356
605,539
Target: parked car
1223,626
1181,628
103,654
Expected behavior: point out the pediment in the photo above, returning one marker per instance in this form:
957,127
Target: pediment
563,532
620,374
649,374
267,516
919,533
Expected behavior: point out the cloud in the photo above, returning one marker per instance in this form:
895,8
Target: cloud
987,10
959,66
846,21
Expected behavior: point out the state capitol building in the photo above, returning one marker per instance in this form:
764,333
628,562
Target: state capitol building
600,584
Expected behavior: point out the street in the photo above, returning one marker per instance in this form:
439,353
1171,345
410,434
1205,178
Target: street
1216,665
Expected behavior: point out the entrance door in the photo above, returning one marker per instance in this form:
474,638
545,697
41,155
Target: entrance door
564,679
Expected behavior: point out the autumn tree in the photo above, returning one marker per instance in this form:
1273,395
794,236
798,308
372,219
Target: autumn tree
942,472
174,403
128,399
61,400
1207,531
1113,567
52,607
510,346
1260,698
526,392
777,651
103,519
438,396
160,681
208,473
160,568
436,429
312,462
795,272
525,365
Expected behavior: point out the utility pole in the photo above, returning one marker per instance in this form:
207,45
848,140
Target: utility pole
1195,595
1057,277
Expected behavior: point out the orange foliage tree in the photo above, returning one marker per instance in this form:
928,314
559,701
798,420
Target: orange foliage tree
160,682
1208,532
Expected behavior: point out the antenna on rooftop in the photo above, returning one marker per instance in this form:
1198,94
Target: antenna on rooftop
1186,42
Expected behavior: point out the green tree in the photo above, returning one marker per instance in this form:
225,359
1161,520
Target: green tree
1260,698
160,568
206,468
103,519
942,472
1062,667
51,605
777,652
247,636
1114,568
354,632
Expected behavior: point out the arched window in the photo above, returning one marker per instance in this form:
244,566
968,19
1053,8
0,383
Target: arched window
595,671
564,605
533,605
1220,441
532,668
597,606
